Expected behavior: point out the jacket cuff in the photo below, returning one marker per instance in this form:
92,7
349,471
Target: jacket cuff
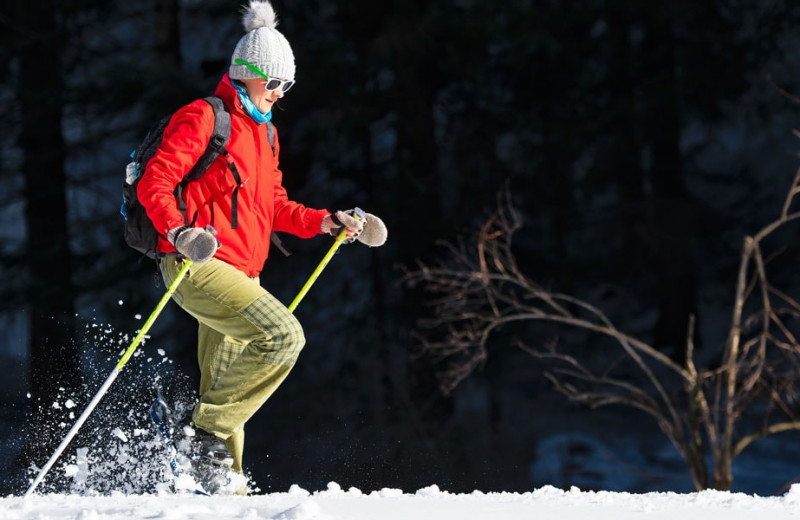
316,220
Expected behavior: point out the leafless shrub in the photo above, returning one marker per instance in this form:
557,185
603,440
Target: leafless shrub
708,412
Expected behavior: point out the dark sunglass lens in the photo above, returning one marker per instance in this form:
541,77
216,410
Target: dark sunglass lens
287,85
272,84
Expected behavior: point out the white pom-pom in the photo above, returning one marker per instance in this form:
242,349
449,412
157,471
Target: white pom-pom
258,15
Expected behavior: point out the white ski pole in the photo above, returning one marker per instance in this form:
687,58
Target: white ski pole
117,369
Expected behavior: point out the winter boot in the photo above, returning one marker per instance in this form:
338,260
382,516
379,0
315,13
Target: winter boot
206,456
211,448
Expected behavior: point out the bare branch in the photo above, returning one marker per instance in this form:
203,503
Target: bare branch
744,442
479,289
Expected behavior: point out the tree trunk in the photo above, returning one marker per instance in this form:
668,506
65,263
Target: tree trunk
627,125
168,34
723,476
416,143
54,360
670,204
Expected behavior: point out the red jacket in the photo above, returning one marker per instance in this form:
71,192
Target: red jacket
263,205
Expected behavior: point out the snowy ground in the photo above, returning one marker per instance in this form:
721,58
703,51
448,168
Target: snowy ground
428,503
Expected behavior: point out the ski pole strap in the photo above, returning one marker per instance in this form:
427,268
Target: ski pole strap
358,214
336,220
277,242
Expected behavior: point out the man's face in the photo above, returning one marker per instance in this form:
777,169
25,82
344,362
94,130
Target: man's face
262,98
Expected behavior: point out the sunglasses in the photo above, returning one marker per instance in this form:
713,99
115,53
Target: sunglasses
272,83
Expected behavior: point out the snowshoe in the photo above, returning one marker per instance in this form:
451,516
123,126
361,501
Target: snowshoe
208,456
199,461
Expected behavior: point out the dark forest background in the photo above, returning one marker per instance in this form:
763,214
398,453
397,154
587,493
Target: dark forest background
641,141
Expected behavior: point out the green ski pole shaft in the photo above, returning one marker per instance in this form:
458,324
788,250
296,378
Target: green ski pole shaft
340,238
117,369
358,214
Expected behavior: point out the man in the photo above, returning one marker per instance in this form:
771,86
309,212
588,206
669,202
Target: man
247,340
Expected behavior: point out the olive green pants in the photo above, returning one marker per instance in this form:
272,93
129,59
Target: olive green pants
248,342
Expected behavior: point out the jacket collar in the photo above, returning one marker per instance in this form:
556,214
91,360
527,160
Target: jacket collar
227,92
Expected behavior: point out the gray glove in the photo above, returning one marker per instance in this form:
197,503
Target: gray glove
196,244
374,234
352,220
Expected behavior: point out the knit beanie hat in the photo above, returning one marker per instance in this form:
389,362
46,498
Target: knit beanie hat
263,46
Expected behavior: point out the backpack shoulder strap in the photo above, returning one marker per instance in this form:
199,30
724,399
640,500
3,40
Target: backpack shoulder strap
217,141
216,146
271,135
222,122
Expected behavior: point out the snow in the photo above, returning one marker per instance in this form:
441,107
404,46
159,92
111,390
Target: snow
431,503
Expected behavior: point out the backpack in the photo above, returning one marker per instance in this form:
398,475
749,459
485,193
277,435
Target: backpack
139,232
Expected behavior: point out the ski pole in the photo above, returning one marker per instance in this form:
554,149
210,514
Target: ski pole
340,238
358,214
117,369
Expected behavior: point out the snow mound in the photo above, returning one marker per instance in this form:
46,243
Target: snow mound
428,503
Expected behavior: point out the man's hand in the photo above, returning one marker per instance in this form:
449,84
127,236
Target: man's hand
349,220
196,244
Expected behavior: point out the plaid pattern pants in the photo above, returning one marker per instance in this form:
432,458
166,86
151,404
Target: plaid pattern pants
248,342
